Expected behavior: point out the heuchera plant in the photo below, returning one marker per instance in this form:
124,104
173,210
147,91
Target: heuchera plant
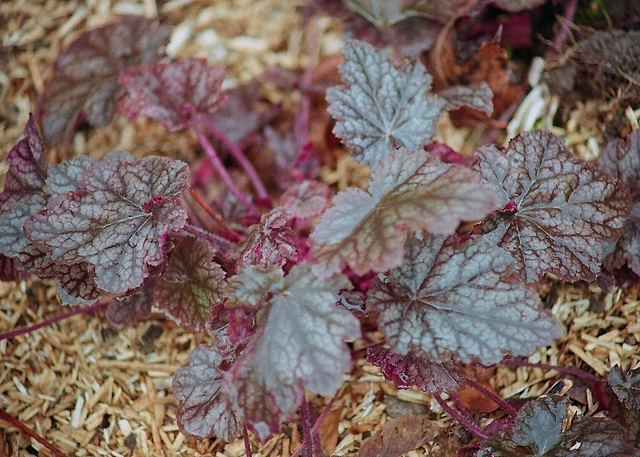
272,284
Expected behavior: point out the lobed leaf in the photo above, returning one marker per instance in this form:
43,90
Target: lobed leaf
65,177
174,93
621,158
191,285
409,190
205,407
12,238
269,242
537,431
84,81
301,345
382,107
27,173
117,221
452,301
626,386
558,209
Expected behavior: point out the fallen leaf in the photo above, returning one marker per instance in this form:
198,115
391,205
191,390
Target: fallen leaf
399,436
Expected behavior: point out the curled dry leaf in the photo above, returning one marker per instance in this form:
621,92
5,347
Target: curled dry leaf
399,436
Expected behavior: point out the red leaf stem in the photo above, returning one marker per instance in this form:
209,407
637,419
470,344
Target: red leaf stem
212,155
27,431
53,320
467,422
573,371
492,396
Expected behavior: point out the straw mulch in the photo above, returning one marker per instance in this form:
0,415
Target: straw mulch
92,391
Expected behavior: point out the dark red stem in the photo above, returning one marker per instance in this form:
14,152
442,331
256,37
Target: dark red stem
301,128
247,444
53,320
306,431
27,431
217,164
239,156
316,426
467,422
495,398
577,372
561,37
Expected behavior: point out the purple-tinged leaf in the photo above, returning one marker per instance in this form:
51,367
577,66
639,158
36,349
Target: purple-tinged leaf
191,285
451,301
117,221
558,208
173,94
626,386
269,242
301,345
65,177
205,408
537,432
238,116
128,311
253,287
75,283
12,238
409,190
406,371
537,429
382,107
27,172
475,96
290,159
622,159
85,74
387,12
306,199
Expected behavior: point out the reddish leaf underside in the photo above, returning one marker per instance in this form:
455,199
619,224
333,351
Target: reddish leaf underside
406,371
456,301
409,190
172,93
382,107
306,199
128,311
117,221
85,74
191,285
301,345
205,408
559,209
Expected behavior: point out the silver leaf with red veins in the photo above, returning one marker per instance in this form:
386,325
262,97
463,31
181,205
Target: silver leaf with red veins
269,242
85,74
451,301
205,407
560,208
409,190
172,93
117,221
301,345
382,107
191,285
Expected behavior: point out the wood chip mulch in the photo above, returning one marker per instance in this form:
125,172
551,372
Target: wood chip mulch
92,391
